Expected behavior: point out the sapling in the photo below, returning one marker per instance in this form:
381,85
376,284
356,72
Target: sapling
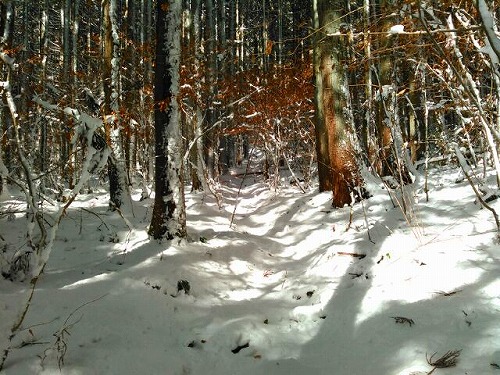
466,169
32,261
60,345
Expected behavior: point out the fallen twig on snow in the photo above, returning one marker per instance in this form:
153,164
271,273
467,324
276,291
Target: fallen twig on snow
354,255
403,320
448,294
449,359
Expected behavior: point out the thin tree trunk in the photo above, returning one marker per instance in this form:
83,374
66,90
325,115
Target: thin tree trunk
368,107
198,164
44,52
386,98
67,124
118,183
209,139
322,51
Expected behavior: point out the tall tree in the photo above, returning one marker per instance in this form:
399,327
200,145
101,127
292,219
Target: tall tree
118,184
337,164
169,214
6,31
386,97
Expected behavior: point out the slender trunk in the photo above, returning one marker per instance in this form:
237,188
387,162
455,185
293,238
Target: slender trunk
209,139
198,164
118,183
67,124
44,52
321,61
368,107
74,80
386,98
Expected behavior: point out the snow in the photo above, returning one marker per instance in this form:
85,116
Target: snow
7,59
492,41
397,29
283,279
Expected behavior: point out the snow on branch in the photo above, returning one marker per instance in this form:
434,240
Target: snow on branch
492,42
399,30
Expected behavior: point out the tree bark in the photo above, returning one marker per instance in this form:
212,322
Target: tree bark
117,174
322,54
169,214
337,165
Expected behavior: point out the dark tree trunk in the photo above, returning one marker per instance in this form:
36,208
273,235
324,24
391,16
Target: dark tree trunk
169,217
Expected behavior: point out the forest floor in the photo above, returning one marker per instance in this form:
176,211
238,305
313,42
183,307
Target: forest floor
292,287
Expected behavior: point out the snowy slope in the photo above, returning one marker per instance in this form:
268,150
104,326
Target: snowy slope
292,287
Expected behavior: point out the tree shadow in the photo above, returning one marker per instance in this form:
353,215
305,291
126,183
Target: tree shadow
266,287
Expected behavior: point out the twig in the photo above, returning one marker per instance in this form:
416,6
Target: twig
292,173
474,188
97,215
60,344
350,219
127,222
449,359
354,255
38,324
448,294
403,320
367,223
247,169
82,306
15,327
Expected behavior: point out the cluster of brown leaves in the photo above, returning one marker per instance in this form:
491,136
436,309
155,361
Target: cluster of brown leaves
267,105
281,97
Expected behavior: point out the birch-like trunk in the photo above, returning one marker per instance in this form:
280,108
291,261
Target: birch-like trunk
118,182
491,29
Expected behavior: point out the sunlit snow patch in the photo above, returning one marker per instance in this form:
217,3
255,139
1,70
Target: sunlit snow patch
397,29
94,279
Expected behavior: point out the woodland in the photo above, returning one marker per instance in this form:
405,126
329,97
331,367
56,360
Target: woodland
166,117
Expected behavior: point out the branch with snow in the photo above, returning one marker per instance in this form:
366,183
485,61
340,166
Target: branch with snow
492,32
396,29
466,169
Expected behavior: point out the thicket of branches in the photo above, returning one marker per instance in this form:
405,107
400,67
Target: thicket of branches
422,85
423,82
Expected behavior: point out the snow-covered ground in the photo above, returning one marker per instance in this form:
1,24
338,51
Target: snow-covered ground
292,287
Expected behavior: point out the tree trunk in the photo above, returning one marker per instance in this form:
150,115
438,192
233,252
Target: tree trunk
117,174
337,165
44,53
322,55
209,139
386,98
169,215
